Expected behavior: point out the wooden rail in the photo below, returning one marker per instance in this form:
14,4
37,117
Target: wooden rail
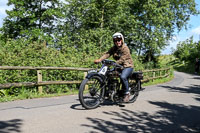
41,83
42,68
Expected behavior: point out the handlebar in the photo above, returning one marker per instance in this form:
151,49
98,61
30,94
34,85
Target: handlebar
112,63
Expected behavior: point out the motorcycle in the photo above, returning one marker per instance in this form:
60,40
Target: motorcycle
105,84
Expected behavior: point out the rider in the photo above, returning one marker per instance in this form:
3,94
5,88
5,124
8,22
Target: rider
121,54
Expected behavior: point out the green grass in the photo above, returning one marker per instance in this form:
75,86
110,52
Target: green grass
166,61
158,81
32,95
186,67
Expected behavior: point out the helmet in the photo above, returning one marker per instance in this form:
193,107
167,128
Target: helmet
118,35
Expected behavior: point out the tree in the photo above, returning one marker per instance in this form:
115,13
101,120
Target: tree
31,15
187,50
148,25
156,21
90,20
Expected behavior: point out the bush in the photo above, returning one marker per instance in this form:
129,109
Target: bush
21,52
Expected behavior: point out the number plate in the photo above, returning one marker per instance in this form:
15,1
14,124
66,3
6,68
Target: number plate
103,70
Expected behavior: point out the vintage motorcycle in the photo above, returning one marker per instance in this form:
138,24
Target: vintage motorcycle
106,84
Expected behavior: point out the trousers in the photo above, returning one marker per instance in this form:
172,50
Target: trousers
124,77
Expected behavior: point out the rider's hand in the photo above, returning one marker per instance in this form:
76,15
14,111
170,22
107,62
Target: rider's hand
97,61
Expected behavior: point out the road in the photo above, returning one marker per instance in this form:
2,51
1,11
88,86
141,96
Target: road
172,107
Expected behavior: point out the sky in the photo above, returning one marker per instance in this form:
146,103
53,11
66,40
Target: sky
193,24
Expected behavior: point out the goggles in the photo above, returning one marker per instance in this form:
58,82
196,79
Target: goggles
117,37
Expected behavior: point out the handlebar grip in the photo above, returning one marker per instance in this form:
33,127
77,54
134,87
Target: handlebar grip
110,62
117,65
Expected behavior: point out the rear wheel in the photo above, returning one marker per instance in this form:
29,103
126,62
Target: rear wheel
91,92
135,87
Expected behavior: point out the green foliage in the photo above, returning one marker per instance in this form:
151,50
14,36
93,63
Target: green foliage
188,50
166,61
2,93
20,53
186,54
89,24
28,15
147,25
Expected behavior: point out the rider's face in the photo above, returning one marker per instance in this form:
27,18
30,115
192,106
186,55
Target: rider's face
118,42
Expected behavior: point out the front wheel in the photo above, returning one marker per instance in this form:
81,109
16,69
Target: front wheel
135,87
91,92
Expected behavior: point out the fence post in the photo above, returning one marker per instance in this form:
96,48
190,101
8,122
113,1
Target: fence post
154,75
159,73
168,72
39,77
165,72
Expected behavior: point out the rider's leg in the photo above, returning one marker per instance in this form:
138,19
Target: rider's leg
124,77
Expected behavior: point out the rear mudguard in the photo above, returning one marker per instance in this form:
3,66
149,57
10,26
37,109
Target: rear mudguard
95,74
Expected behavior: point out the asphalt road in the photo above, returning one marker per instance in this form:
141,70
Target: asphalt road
173,107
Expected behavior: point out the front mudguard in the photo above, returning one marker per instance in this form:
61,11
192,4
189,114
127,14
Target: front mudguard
95,74
102,78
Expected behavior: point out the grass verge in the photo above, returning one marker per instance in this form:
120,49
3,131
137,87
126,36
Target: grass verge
32,95
158,81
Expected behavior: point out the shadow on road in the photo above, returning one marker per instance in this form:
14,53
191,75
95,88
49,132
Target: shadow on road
172,118
77,107
194,89
33,107
105,103
196,77
11,126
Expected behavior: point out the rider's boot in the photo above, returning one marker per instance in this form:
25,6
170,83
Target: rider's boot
126,98
127,95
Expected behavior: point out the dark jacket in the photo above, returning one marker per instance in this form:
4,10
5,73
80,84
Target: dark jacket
121,55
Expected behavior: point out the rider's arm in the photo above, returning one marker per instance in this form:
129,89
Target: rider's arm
106,55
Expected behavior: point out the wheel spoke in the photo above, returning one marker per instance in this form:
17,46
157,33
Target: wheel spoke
134,92
91,95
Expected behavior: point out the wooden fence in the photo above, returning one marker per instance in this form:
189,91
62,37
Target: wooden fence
148,75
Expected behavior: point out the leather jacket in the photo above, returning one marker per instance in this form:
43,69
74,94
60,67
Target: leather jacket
121,55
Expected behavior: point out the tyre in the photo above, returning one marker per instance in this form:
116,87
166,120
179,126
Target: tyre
91,92
135,87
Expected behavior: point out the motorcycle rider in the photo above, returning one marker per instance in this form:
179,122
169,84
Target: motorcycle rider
121,54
